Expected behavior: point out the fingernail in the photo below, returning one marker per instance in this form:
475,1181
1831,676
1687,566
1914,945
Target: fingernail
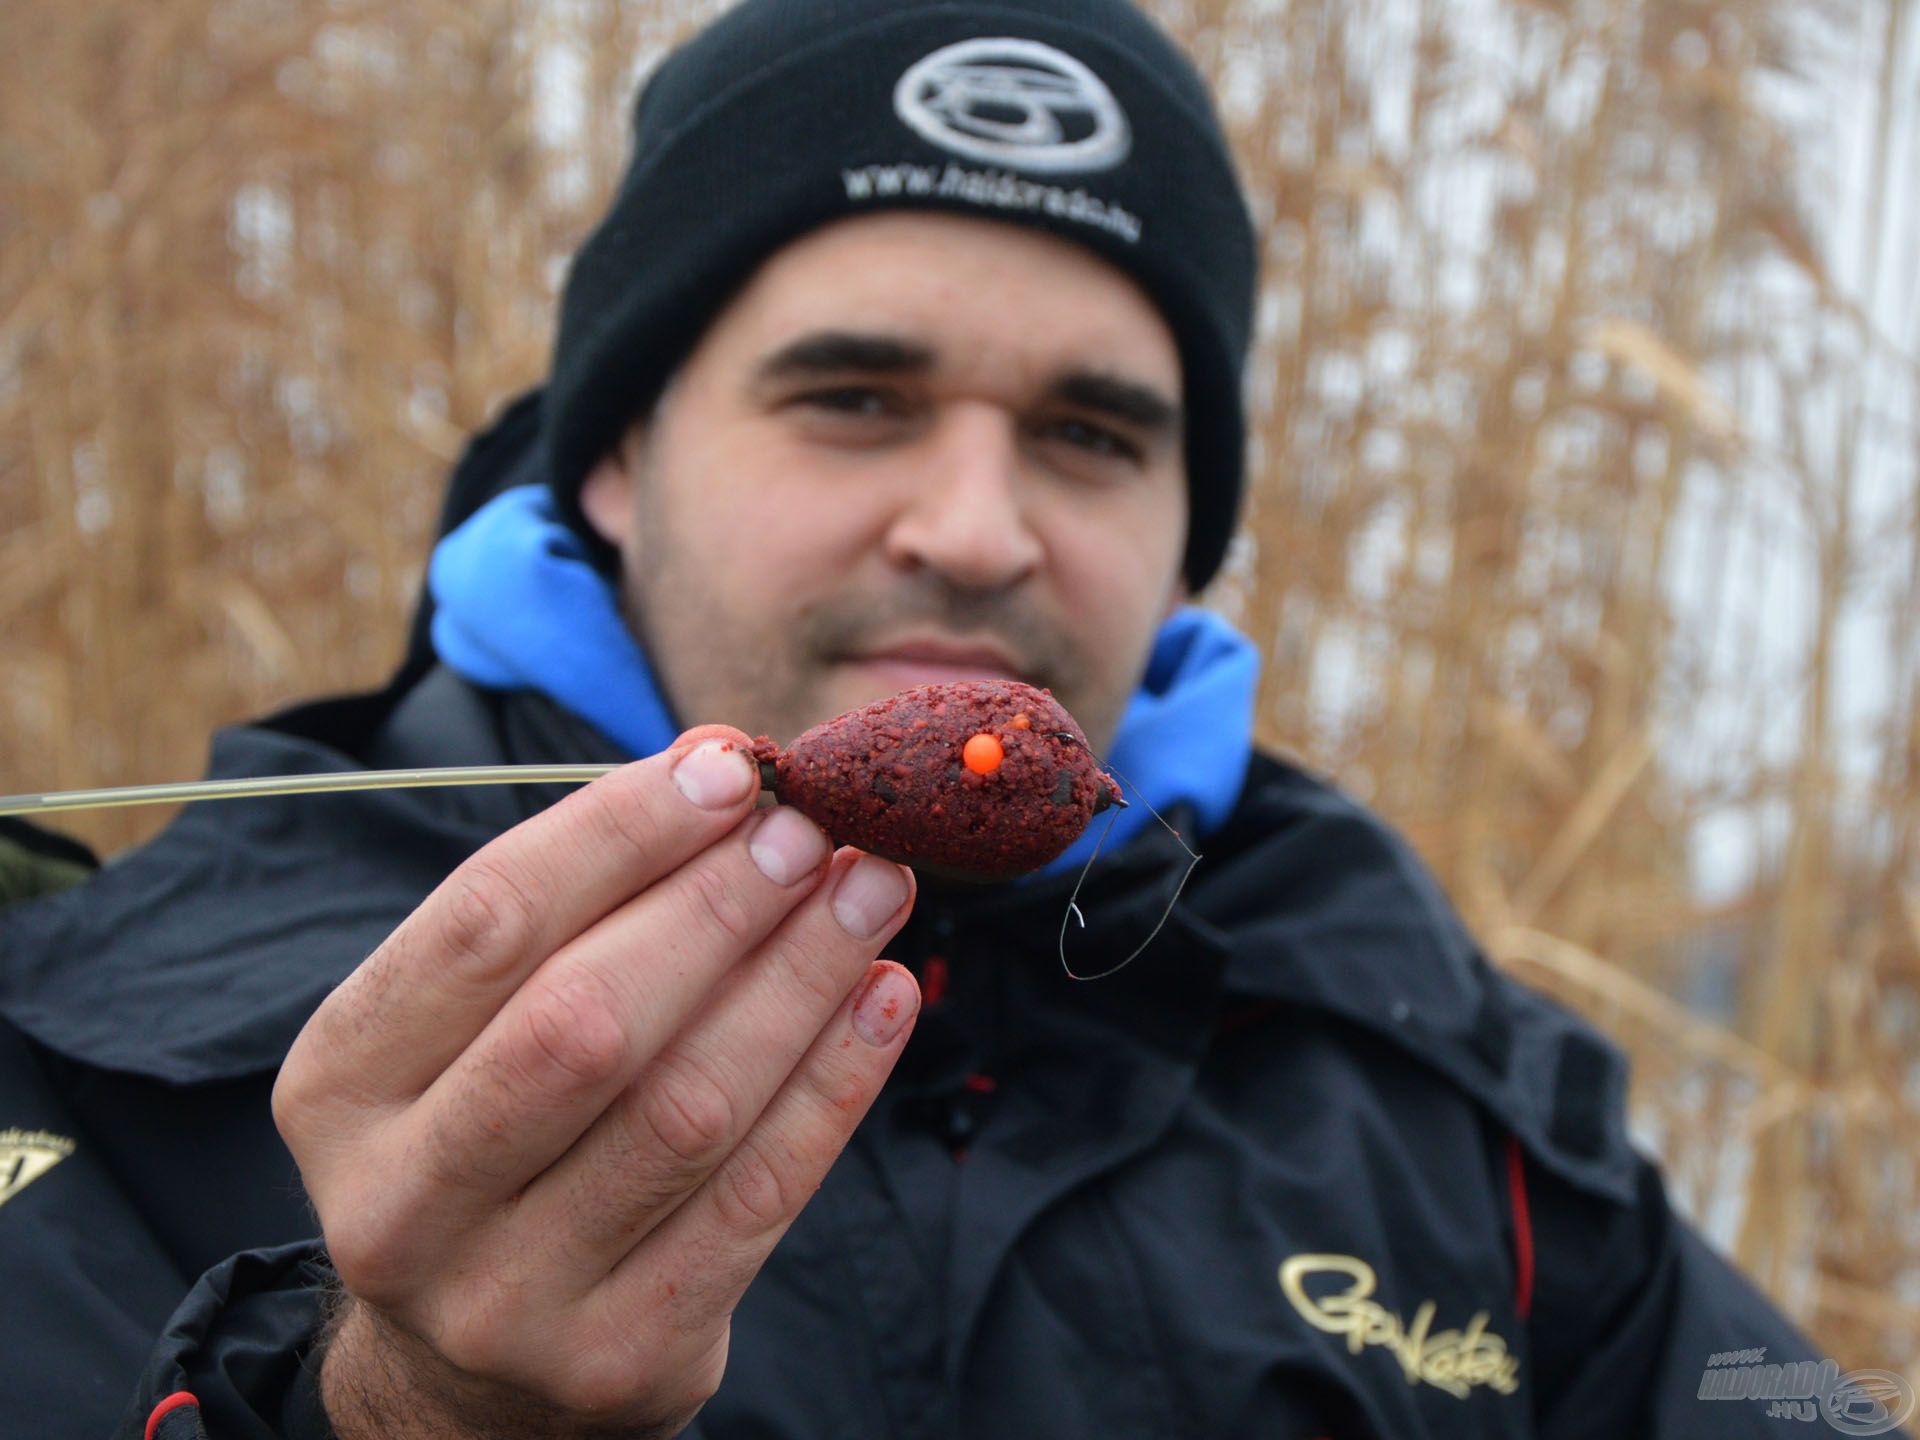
867,895
787,845
888,1002
715,774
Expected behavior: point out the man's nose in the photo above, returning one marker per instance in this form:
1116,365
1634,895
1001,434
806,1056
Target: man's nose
965,514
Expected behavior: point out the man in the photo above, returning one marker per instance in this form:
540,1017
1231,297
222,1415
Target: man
907,353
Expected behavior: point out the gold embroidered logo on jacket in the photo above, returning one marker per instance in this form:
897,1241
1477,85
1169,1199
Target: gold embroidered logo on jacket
26,1155
1453,1360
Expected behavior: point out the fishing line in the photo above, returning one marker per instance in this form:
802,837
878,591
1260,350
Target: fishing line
1073,911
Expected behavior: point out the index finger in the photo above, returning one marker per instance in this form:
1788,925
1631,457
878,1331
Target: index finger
432,986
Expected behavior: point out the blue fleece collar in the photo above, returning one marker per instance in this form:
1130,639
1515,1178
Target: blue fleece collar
518,606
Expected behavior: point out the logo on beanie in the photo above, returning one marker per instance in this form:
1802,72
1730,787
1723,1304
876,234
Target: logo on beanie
1014,102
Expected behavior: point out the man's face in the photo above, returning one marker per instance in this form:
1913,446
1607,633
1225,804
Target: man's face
913,448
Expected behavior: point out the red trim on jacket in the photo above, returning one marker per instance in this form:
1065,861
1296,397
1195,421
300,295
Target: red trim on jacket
1522,1229
166,1407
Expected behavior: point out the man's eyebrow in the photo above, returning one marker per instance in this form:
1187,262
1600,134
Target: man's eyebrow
834,352
841,352
1141,406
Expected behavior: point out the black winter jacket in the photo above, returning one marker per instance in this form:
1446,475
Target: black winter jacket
1308,1168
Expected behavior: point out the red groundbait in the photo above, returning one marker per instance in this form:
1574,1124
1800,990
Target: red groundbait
981,779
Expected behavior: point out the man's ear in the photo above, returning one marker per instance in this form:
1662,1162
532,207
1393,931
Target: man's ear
606,495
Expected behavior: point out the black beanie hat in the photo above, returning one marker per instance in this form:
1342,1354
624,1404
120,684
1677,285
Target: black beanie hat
1077,117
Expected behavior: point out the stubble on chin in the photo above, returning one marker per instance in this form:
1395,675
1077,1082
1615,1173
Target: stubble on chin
710,668
779,679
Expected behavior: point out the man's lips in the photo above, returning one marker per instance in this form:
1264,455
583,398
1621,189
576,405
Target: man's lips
935,662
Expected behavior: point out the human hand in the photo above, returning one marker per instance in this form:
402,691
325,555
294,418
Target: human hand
556,1123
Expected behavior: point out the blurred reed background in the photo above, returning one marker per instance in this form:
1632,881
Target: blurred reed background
1584,542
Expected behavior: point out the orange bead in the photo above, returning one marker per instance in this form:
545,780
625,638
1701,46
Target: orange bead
983,754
